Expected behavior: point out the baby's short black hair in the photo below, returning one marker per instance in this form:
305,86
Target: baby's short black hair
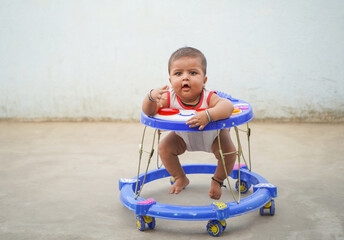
188,52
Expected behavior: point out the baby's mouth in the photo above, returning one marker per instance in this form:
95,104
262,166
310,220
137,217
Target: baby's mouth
185,86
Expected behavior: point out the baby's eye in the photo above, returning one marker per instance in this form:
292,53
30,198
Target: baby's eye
193,73
178,73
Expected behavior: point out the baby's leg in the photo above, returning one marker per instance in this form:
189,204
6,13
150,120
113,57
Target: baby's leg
169,149
220,175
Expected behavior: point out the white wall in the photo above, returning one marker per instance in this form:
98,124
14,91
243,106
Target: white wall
98,59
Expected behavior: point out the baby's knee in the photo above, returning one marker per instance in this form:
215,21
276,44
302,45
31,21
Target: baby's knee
166,149
163,149
171,145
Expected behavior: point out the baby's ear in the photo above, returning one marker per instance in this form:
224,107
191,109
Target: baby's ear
205,80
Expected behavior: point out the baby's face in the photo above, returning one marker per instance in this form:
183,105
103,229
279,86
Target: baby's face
187,78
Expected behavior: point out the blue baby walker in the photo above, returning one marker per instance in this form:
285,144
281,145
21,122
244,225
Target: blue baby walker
216,213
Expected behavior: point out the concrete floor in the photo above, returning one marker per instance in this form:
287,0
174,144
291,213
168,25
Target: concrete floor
60,181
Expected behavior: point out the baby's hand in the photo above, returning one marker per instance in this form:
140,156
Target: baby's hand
157,94
200,119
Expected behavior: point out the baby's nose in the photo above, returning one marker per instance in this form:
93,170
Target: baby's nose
185,76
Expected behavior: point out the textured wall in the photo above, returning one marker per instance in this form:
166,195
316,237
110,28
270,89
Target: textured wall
98,59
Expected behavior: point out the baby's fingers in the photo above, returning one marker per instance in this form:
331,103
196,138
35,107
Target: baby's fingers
164,89
194,125
191,121
201,127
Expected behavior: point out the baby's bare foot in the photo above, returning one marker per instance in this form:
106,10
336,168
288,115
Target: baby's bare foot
179,185
215,191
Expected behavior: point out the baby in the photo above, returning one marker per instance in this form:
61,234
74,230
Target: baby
187,70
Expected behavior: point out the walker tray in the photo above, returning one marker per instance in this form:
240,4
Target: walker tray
175,120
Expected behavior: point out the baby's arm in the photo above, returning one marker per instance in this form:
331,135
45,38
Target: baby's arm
158,100
219,108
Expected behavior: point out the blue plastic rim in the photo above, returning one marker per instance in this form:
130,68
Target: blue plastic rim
235,120
263,192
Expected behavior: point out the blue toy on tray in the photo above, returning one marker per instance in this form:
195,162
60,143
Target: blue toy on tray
216,213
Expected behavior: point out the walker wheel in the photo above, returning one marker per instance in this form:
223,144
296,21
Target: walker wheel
142,220
223,224
150,221
140,223
244,186
271,206
215,227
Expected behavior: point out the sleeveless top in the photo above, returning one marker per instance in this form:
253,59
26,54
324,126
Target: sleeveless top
175,102
194,141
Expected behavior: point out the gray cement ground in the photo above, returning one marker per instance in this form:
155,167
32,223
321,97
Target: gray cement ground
60,181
